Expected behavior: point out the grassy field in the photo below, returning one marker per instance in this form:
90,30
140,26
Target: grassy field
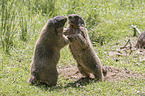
109,27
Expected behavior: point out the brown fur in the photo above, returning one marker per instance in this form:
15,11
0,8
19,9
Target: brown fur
47,52
141,41
82,49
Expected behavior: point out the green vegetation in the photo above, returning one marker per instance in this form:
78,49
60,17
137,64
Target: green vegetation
109,27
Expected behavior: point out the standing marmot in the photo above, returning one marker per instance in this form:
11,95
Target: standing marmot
82,49
47,52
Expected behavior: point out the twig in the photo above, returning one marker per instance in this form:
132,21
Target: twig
135,29
130,47
126,44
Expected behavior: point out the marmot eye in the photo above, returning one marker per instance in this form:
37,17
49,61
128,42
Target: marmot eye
62,20
69,17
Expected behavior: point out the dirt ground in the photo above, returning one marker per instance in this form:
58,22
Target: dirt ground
113,74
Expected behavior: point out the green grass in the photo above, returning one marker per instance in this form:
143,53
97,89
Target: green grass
109,27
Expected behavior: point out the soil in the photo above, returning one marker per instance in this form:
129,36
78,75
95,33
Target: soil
114,74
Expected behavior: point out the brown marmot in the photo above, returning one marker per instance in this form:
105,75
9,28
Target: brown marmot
82,49
141,41
47,52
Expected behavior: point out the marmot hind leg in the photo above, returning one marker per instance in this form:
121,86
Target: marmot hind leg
49,77
83,71
97,72
33,80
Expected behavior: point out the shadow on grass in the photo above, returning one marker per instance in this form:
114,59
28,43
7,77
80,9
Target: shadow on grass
81,82
77,84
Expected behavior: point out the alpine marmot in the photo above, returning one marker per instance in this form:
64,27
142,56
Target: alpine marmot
82,49
47,52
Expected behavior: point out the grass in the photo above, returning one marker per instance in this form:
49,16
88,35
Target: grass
109,27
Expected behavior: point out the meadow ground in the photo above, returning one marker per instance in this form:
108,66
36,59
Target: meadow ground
109,27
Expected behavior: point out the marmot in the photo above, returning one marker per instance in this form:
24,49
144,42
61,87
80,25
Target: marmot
82,49
141,41
47,52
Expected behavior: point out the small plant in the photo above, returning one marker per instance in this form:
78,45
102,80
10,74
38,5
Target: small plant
8,24
23,26
43,6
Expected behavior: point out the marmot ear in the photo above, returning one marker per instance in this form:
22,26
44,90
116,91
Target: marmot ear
51,22
54,22
81,22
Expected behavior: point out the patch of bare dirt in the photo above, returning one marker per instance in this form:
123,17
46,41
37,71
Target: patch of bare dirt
113,74
127,52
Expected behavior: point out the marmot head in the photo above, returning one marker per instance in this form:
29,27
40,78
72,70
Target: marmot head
76,20
57,23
